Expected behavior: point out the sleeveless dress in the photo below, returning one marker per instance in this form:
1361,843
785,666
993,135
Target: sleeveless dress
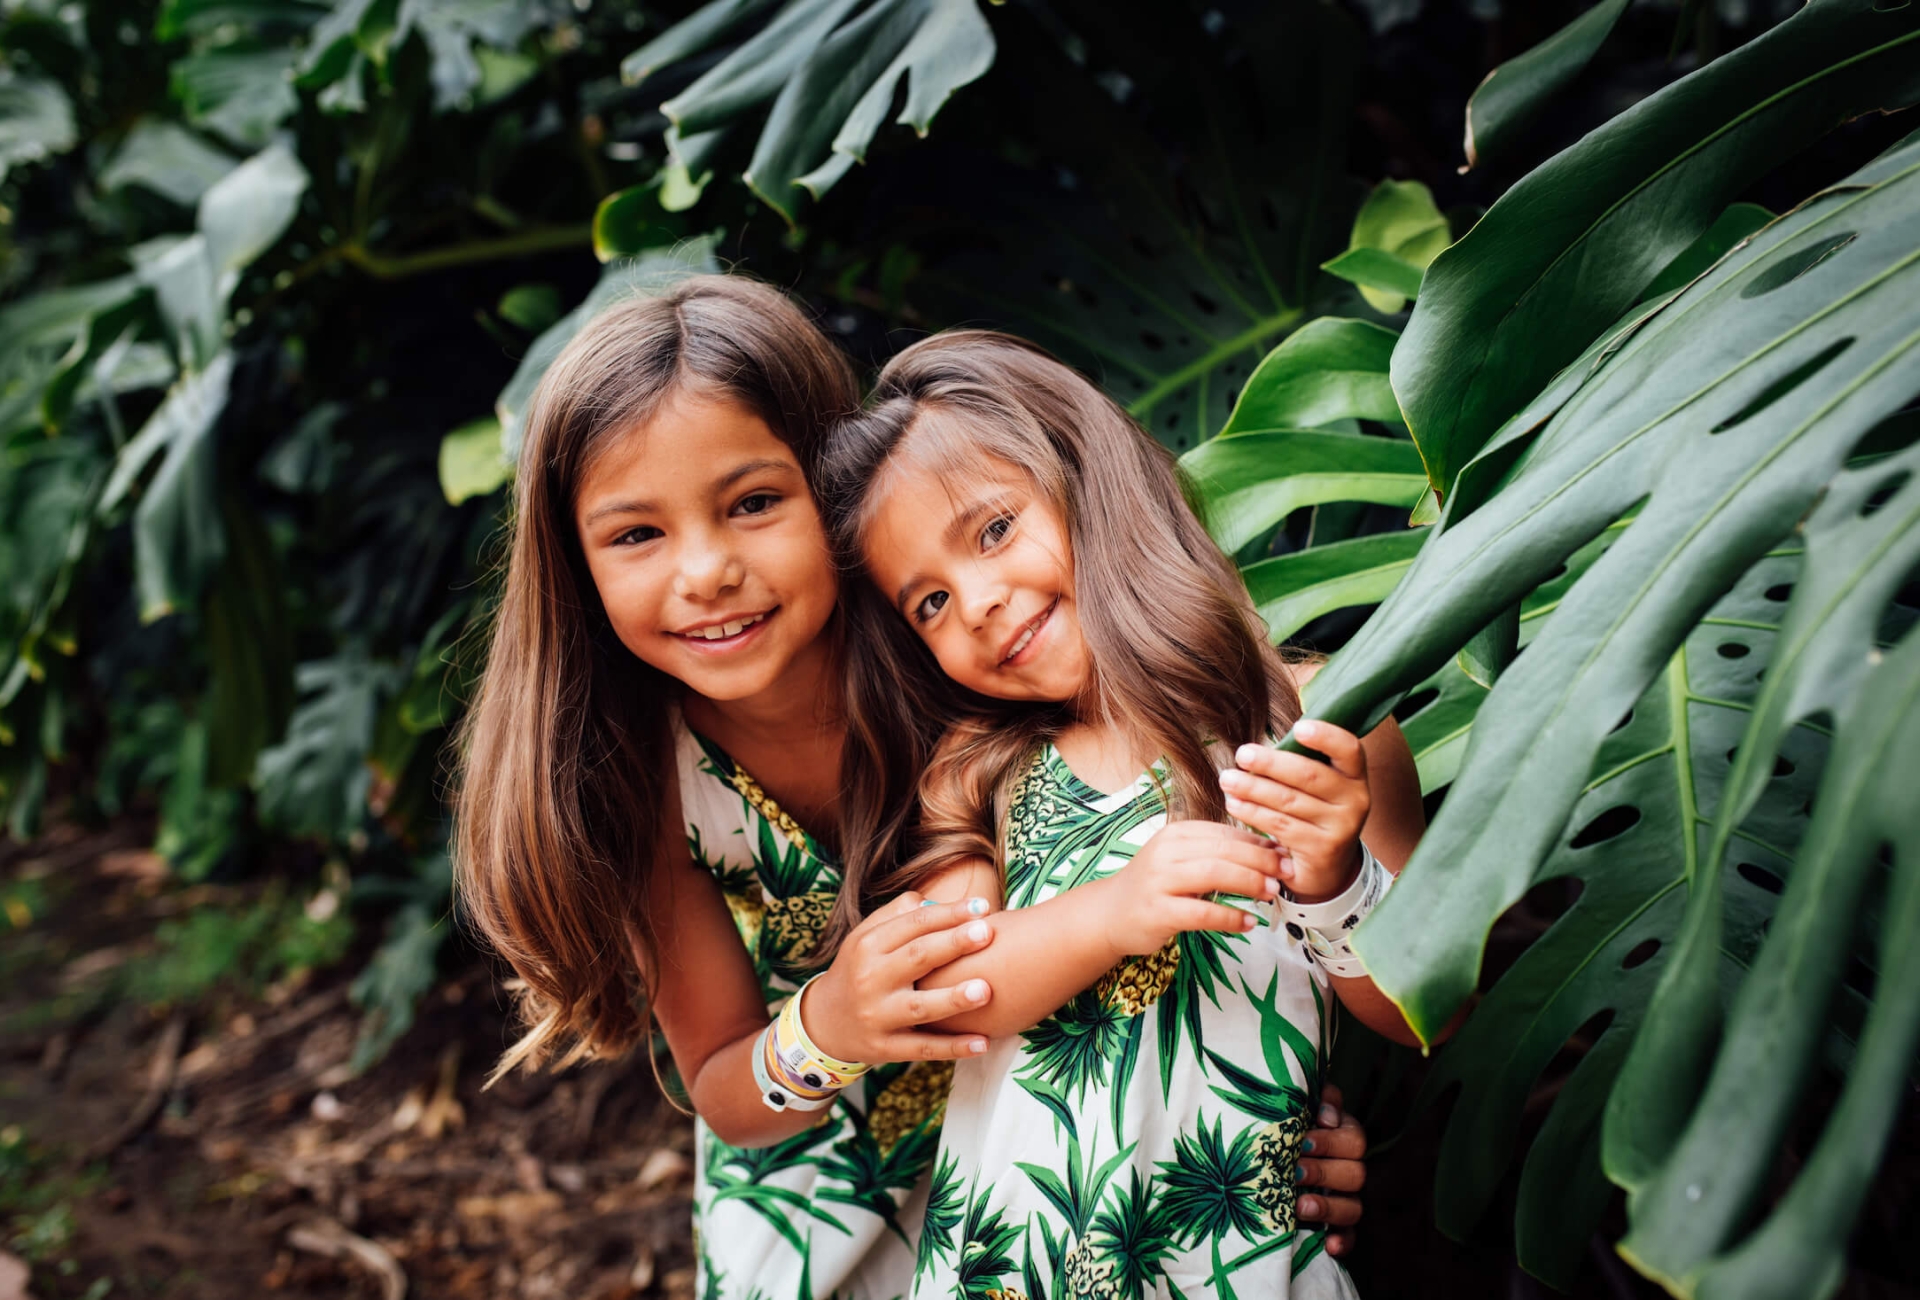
833,1211
1142,1140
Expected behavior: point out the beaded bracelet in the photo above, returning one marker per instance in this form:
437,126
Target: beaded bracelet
791,1071
1326,928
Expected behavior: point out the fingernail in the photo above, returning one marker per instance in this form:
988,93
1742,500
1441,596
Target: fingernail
1329,1117
1299,1173
1310,1208
1306,1148
1306,729
974,990
978,932
978,1046
1233,779
1247,921
1272,888
1247,754
929,902
978,906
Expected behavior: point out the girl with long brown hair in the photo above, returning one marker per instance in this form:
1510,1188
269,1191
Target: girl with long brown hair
652,787
1034,567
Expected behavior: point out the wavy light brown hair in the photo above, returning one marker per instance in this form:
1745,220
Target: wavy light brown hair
1180,659
567,757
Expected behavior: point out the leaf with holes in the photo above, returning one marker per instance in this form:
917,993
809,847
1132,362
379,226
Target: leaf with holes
1696,1161
1567,249
1719,417
1654,784
1168,277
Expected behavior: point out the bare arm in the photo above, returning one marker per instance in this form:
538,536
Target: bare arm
1043,955
709,1003
1040,958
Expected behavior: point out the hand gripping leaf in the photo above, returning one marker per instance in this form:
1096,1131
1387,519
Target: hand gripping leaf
1725,411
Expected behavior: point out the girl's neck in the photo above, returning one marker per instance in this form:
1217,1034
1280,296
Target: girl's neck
789,736
1102,754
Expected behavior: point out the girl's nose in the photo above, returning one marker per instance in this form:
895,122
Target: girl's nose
979,601
707,569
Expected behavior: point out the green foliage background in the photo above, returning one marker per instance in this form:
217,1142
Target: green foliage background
279,277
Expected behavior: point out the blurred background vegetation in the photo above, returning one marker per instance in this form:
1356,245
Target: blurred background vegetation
278,277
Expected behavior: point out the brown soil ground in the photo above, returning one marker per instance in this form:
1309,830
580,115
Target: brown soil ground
224,1151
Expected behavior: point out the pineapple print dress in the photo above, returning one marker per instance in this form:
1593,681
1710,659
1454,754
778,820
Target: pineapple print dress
1141,1141
833,1211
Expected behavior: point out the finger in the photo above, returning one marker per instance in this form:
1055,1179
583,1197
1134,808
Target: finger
1199,879
1345,1141
1295,770
930,952
1340,1242
1262,856
898,931
1341,746
1281,826
1334,1211
930,1006
1213,835
898,907
933,1046
1304,804
1195,914
1330,1095
1333,1175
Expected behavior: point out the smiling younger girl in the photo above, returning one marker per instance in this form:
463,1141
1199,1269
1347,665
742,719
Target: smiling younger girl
1133,1129
652,789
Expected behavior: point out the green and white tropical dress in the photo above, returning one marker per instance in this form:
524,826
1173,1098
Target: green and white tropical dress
1142,1140
833,1211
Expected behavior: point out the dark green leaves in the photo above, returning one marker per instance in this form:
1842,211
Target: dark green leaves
1251,481
831,73
36,119
1511,98
1571,246
1672,417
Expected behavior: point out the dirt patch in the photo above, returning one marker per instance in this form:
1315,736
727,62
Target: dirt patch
225,1150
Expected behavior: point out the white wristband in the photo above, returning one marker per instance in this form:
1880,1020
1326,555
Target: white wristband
1326,928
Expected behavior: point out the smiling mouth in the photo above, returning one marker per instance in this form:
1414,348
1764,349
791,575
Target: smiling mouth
726,631
1028,633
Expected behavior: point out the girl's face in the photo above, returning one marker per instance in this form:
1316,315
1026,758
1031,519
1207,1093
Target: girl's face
984,574
706,548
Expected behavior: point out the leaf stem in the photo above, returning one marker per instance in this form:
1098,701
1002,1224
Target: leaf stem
541,239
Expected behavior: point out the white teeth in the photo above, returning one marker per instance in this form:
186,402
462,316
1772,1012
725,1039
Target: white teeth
1021,644
721,631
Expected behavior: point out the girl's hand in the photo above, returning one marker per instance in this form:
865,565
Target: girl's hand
1169,886
1333,1169
1313,810
865,1008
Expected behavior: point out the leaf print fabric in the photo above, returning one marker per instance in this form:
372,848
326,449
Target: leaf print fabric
833,1211
1141,1141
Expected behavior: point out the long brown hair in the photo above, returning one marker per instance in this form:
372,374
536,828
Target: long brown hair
567,770
1180,660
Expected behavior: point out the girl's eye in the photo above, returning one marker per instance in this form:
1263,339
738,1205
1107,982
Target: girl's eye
757,504
638,534
996,531
932,605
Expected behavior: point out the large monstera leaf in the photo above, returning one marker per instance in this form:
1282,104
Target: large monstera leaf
825,71
1714,421
1168,274
1572,245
